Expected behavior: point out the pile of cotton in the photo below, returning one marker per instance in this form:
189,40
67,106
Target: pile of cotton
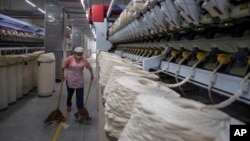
121,99
155,118
106,62
118,71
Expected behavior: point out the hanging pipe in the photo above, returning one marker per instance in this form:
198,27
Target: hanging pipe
131,54
140,58
200,59
135,53
223,59
232,98
185,55
173,55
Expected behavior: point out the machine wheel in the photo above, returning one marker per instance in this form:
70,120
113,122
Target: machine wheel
238,31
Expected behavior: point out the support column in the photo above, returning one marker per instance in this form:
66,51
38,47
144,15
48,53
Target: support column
76,36
85,44
101,36
55,27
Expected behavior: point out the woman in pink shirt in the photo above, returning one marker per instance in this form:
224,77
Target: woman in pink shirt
74,65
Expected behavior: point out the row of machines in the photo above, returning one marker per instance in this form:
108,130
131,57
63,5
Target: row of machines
151,20
234,63
13,36
215,70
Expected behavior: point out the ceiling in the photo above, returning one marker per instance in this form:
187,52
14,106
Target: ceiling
74,9
77,15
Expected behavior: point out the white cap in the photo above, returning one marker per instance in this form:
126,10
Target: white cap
78,49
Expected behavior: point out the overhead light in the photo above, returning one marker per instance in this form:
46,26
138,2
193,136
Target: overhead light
41,10
87,15
30,3
83,5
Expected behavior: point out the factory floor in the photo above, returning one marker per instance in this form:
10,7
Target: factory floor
23,121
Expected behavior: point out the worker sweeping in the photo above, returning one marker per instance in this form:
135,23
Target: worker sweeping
75,65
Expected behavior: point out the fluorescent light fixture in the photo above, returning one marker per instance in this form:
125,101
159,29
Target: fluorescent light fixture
83,5
41,10
87,15
30,3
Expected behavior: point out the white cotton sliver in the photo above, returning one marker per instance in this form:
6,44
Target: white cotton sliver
116,119
122,95
106,62
196,119
174,119
106,69
118,71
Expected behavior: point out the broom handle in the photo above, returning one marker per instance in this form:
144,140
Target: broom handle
86,100
60,94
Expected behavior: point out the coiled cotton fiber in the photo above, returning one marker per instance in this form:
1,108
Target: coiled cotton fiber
174,119
121,99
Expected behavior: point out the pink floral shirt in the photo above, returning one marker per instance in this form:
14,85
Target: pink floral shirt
74,71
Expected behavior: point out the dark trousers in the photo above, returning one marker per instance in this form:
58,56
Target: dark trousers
79,96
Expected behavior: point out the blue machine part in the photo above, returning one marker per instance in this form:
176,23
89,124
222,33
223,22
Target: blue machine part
7,22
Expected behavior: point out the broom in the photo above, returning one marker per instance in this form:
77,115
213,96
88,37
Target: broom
83,113
56,115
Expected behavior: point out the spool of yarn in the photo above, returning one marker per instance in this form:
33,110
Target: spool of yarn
174,119
121,99
123,70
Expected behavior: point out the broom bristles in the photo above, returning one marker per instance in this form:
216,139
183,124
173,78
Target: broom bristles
83,113
54,116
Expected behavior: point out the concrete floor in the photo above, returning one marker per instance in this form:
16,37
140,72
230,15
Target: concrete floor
23,121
